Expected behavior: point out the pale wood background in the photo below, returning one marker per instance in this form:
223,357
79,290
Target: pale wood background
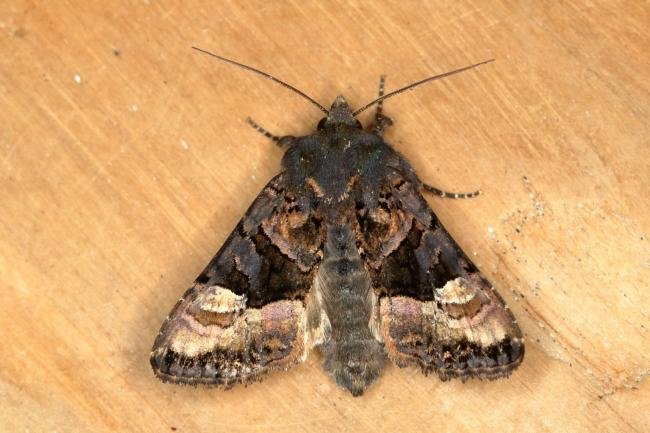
125,161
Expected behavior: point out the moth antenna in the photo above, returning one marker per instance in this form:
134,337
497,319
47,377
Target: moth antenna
411,86
264,74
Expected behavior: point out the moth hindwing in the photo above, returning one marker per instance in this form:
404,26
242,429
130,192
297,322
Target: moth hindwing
339,251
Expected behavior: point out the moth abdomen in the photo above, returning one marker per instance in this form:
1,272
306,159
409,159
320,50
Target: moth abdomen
355,363
352,354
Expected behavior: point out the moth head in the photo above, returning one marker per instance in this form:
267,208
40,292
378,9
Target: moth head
339,114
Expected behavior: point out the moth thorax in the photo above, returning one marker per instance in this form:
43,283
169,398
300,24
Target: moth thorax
459,298
217,306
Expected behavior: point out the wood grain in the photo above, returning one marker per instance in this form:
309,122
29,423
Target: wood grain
125,160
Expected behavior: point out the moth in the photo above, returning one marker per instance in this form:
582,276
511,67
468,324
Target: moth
340,251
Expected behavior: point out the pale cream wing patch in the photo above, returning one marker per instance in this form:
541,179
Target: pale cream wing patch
465,331
212,338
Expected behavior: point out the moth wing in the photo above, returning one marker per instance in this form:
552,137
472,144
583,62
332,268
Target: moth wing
436,310
245,313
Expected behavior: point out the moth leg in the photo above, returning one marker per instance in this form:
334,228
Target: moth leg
381,122
279,141
446,194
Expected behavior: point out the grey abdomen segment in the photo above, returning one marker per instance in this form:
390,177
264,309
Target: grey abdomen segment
352,354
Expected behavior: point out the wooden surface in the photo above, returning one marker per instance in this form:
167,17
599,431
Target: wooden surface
125,161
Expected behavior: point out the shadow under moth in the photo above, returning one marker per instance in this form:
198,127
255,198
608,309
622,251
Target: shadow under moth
339,251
